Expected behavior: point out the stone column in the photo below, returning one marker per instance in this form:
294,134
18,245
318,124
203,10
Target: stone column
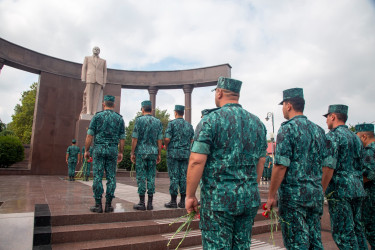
188,89
153,91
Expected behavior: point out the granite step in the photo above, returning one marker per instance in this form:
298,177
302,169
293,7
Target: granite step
132,235
158,241
94,218
102,231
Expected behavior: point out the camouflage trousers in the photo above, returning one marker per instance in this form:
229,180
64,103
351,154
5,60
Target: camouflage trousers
145,167
177,169
72,168
368,214
226,230
346,225
300,224
87,170
104,159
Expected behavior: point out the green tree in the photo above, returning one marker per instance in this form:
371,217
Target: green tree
162,115
22,120
2,126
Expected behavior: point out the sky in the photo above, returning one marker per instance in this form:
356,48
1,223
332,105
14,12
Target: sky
325,47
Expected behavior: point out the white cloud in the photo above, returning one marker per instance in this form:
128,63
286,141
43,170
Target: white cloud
325,47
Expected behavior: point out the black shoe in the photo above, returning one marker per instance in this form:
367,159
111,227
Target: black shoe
108,208
97,208
141,204
73,178
172,203
181,204
149,202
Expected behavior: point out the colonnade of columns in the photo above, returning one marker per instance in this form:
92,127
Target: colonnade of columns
188,89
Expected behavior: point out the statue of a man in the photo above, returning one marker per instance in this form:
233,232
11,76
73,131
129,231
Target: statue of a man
94,74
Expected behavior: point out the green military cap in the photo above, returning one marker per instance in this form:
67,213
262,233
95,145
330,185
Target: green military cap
229,84
337,108
74,141
291,93
179,107
146,103
109,98
365,127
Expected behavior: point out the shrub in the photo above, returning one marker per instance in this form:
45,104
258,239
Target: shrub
11,150
126,163
7,132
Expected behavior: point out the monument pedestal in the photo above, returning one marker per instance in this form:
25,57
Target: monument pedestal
82,126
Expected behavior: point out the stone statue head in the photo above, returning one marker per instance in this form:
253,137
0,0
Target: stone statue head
96,50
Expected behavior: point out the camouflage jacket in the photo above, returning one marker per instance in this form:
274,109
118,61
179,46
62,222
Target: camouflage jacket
180,133
73,152
107,127
369,169
301,147
345,157
233,140
148,130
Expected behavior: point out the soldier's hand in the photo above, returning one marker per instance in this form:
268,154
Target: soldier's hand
87,155
271,202
191,204
158,159
132,158
119,157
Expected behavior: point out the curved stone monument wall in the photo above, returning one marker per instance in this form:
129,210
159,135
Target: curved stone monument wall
59,98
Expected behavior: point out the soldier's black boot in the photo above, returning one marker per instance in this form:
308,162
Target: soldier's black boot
141,204
149,202
98,207
172,203
108,207
181,204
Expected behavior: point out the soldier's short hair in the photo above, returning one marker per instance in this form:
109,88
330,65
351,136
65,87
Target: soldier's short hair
298,103
180,112
147,108
342,117
109,104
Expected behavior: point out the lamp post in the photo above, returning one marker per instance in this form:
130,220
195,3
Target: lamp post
270,115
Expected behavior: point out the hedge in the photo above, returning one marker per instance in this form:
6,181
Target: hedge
126,163
11,150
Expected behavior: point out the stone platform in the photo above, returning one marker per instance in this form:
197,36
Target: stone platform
73,226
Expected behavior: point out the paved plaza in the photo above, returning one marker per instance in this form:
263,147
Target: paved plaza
19,194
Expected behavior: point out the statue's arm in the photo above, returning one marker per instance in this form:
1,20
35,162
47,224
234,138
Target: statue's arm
84,70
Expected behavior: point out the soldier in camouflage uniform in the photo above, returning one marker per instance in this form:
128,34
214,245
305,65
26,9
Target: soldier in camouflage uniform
267,170
365,132
146,153
72,158
178,137
108,130
300,152
86,174
343,182
228,154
